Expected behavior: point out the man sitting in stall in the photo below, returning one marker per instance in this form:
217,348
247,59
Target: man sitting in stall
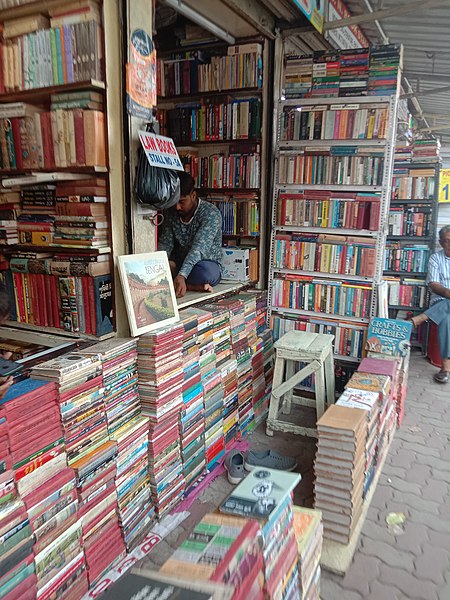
438,280
191,234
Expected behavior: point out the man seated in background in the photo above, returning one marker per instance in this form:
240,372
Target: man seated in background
191,234
438,280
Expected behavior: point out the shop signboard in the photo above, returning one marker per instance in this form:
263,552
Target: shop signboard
313,11
444,185
345,37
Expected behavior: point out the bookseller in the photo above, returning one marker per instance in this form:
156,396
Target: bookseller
191,234
5,382
438,279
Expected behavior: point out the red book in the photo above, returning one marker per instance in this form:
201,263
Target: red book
55,301
92,307
47,141
48,298
87,306
58,481
25,590
15,124
79,137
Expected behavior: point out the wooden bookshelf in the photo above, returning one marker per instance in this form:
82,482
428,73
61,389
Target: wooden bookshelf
36,95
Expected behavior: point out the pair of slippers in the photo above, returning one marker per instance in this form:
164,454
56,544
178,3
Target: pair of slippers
237,464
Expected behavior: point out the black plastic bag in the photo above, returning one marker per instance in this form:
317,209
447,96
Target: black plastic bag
155,187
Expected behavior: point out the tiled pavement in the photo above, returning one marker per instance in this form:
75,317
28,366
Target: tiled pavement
415,481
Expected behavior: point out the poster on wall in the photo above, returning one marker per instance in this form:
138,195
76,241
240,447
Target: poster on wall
344,38
313,11
444,185
148,291
141,76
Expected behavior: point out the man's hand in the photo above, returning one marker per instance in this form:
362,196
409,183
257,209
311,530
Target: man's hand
6,355
5,384
180,286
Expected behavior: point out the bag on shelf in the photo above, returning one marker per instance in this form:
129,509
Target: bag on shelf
155,187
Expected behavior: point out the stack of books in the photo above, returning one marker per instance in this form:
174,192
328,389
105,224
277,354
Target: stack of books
160,369
268,353
326,74
97,496
221,332
259,399
223,549
381,385
354,72
308,532
130,431
339,481
205,327
298,72
81,220
214,391
426,151
17,567
192,415
229,376
35,224
266,495
10,208
81,399
368,401
385,62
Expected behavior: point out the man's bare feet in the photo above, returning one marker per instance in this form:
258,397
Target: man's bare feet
419,319
202,287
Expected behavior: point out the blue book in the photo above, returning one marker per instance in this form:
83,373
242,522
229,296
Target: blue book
389,336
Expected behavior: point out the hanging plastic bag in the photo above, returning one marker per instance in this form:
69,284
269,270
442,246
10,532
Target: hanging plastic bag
155,187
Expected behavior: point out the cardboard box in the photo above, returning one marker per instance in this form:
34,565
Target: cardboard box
235,264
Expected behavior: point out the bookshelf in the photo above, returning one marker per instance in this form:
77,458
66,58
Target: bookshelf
58,185
412,223
218,118
333,167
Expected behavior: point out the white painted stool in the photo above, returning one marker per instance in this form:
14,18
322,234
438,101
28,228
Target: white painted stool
316,349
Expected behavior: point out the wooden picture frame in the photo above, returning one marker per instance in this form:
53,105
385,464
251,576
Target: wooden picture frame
148,291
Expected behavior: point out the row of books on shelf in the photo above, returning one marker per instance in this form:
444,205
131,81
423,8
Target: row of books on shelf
193,72
325,254
38,53
239,216
407,292
349,339
409,259
320,169
234,120
416,184
329,209
72,303
336,298
335,122
413,220
31,138
425,150
234,170
354,72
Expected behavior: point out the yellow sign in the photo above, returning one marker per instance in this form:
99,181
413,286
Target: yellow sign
444,185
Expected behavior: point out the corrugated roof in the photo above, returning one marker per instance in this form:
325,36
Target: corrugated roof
425,35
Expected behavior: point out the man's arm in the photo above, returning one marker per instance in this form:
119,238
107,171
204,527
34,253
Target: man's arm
204,239
166,239
433,279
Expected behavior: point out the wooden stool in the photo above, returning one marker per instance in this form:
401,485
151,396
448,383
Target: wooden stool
316,349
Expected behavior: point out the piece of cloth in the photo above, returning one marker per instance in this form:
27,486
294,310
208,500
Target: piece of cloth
205,271
438,272
439,313
189,243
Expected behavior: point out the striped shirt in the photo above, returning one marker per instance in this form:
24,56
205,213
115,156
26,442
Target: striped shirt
438,272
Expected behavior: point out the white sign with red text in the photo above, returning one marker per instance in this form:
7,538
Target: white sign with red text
160,151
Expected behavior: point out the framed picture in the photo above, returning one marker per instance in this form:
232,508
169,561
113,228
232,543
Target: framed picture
148,290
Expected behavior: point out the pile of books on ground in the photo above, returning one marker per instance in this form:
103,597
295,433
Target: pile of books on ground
214,391
266,495
192,415
160,370
385,62
231,401
308,532
340,470
129,429
223,549
47,489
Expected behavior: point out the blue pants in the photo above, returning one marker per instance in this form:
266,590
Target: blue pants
439,313
205,271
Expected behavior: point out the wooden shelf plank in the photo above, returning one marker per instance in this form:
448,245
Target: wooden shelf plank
253,91
36,94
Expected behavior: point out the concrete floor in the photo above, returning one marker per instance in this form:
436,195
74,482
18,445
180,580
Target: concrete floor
408,565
